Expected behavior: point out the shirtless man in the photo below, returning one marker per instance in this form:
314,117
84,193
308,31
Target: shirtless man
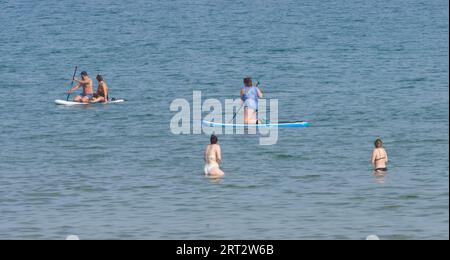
213,159
102,91
87,85
379,157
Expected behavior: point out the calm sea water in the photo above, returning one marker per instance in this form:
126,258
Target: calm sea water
357,70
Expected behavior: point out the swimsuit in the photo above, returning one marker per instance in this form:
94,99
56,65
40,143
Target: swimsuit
250,97
101,93
209,167
381,169
90,96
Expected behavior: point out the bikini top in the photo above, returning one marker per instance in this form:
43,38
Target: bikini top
380,157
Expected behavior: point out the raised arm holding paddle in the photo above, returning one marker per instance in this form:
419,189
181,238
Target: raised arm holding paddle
71,84
88,90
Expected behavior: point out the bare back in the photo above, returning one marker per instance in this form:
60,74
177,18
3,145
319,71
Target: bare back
379,158
213,154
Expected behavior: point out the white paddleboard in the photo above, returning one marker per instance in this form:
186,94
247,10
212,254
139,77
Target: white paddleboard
71,103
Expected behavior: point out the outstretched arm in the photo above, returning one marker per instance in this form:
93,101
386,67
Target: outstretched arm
81,81
74,89
260,94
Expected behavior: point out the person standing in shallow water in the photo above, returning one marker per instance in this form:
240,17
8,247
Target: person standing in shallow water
213,159
379,157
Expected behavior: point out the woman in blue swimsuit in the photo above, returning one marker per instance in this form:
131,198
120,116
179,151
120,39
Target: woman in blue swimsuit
250,95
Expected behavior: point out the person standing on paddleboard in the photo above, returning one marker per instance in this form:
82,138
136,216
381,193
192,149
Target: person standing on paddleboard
88,89
379,157
250,95
102,91
213,159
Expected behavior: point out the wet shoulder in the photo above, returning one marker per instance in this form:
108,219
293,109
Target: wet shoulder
381,151
213,146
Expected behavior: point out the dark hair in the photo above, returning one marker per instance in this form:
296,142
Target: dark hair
84,74
214,139
248,82
99,77
378,143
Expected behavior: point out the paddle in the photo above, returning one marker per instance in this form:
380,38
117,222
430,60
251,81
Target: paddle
71,84
235,114
239,110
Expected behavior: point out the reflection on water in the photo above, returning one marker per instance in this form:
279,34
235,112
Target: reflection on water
380,177
215,180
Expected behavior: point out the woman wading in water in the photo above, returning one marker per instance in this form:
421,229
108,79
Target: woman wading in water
379,158
213,159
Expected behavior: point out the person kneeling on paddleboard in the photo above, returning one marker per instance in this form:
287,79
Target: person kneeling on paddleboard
102,91
250,95
87,85
213,158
